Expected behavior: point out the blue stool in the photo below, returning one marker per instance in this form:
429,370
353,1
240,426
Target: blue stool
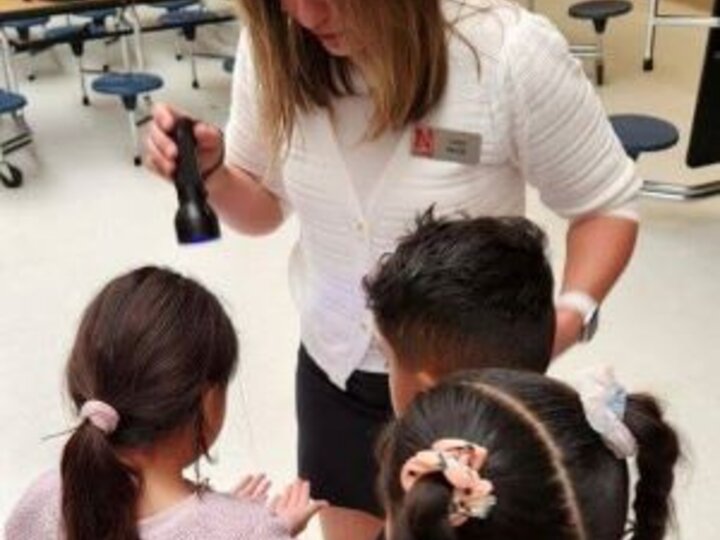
599,12
12,103
187,21
127,87
642,133
23,28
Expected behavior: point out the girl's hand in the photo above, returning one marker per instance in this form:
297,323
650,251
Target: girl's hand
253,487
295,507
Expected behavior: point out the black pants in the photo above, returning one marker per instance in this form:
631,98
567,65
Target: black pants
337,432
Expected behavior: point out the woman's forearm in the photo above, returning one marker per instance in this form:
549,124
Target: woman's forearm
243,202
598,251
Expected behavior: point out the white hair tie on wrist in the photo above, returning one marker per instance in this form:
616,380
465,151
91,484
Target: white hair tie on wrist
605,401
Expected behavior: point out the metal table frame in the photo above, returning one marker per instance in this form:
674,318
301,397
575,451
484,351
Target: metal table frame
656,19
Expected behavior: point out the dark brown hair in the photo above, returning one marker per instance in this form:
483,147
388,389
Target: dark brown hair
466,293
553,476
148,345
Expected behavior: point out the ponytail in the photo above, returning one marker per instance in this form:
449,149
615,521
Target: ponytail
100,493
658,452
424,512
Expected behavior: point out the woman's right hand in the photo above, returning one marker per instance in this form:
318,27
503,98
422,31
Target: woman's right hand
161,151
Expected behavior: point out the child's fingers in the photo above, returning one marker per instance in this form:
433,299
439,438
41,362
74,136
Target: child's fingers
300,494
257,484
244,483
289,494
286,497
274,505
252,485
315,506
262,489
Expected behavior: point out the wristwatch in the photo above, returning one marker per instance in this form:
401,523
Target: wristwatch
587,307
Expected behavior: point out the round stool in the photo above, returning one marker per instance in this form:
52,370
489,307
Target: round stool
128,86
599,12
641,133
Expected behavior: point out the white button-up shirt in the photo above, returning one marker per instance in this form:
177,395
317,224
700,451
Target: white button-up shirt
540,122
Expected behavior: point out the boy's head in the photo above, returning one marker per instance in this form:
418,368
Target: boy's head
463,294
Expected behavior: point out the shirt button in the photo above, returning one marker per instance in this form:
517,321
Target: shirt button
360,226
364,327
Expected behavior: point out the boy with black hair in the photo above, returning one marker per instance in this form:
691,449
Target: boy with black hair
463,294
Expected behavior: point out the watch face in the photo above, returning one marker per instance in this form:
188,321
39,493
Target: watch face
591,326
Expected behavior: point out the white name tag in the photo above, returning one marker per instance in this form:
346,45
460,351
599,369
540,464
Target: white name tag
446,145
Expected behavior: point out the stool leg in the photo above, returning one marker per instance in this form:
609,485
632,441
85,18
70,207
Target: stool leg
83,86
178,46
106,65
21,122
130,103
648,62
193,65
137,159
24,35
31,61
600,60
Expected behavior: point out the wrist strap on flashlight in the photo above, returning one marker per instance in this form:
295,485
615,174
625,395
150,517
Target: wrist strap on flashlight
205,175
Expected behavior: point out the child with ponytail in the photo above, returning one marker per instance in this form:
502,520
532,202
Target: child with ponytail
507,455
148,375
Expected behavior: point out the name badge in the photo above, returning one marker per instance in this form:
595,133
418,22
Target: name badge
446,145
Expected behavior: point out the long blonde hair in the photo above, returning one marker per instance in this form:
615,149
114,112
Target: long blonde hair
403,56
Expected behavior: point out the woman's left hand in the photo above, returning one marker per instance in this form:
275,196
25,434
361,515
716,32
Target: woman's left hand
567,330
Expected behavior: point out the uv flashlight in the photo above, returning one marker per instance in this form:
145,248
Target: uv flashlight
195,221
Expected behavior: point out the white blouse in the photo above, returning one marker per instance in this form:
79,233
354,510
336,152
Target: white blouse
539,120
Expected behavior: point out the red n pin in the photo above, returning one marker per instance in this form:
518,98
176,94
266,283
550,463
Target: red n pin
423,141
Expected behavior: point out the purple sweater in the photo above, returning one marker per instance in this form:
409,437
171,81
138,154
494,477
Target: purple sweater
213,516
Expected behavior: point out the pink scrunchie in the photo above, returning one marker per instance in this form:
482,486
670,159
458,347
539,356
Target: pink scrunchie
460,462
101,415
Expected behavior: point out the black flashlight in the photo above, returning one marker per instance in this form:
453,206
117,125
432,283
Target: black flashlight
195,221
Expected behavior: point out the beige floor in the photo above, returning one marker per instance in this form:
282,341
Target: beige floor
86,214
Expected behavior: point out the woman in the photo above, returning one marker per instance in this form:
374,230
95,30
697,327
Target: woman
356,115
